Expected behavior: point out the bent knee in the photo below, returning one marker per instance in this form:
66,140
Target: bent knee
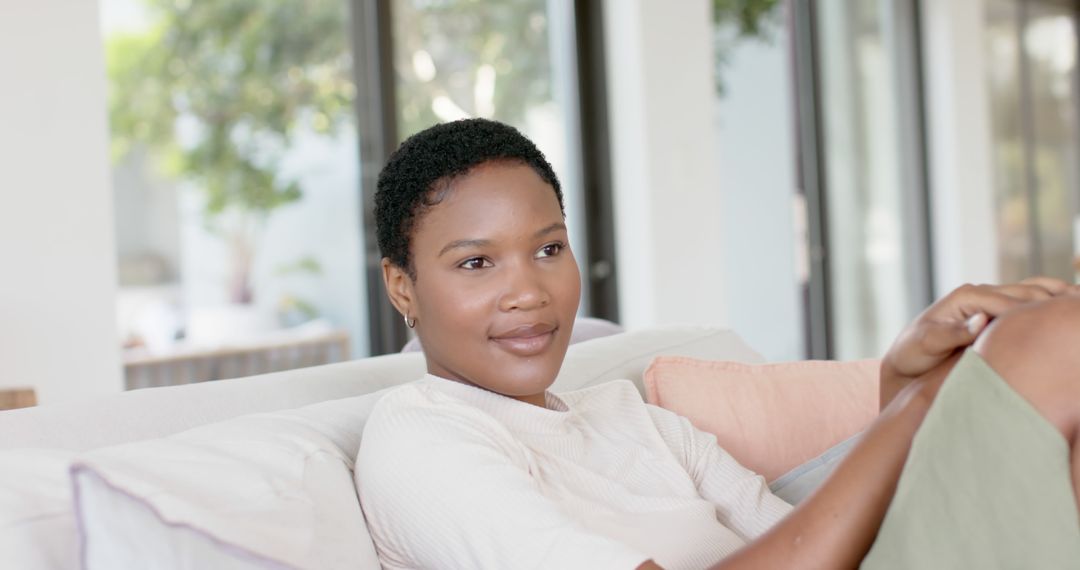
1043,329
1036,349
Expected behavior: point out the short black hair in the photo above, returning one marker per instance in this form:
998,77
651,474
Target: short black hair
436,155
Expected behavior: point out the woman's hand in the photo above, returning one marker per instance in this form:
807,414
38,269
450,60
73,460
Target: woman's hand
952,324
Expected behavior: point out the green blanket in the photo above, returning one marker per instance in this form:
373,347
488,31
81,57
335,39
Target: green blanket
987,484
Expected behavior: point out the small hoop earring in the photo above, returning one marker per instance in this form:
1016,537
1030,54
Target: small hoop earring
411,324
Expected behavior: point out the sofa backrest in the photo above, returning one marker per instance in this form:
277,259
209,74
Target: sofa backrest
157,412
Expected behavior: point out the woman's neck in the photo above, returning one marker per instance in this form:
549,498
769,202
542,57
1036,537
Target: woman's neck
535,399
538,400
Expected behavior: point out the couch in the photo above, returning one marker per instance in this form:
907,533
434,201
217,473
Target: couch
245,473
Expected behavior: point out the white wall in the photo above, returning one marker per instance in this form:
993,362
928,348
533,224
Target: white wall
57,253
958,128
668,234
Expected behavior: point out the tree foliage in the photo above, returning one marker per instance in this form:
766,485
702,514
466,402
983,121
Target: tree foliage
735,21
488,59
747,15
218,91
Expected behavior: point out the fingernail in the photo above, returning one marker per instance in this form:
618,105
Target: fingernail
975,323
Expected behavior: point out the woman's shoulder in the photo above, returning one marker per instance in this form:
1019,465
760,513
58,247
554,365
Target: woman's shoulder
417,412
417,400
407,395
416,420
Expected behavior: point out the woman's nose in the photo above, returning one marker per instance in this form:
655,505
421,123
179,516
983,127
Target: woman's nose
524,291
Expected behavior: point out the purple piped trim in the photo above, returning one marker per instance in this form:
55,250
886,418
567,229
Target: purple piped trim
239,551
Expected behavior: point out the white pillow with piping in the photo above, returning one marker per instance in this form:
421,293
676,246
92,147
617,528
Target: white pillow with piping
37,526
271,490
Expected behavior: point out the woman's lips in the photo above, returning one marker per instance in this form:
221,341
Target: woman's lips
529,340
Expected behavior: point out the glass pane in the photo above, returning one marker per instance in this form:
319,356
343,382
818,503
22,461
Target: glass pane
1050,46
235,179
1007,145
1031,73
755,134
509,61
860,103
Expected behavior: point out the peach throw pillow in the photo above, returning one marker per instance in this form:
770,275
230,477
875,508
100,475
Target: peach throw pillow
770,417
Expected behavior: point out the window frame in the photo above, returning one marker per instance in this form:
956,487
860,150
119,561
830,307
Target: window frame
819,307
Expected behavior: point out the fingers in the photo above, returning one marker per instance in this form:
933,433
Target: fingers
957,321
995,300
930,342
980,304
1054,286
936,341
944,337
992,301
1026,292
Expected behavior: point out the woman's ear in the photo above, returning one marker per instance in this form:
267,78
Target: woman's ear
398,288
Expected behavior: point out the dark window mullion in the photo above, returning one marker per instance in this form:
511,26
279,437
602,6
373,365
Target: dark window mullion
811,174
376,113
596,160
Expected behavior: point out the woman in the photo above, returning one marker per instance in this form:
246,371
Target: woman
477,465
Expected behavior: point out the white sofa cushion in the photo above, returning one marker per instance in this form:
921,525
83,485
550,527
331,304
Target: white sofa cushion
133,535
157,412
37,525
264,490
627,355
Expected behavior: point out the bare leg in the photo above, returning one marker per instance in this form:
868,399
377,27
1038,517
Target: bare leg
1036,349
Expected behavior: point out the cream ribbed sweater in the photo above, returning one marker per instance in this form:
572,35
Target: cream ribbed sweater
453,476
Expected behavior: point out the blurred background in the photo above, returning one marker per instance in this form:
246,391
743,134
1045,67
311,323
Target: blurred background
189,183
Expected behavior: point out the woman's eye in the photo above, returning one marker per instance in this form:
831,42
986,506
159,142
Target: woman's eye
550,250
475,263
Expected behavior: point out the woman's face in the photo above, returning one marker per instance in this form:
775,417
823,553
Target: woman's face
497,286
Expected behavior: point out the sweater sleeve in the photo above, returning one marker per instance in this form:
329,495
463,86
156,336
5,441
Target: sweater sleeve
742,498
443,488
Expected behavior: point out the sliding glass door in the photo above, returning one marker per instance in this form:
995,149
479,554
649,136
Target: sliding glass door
1031,48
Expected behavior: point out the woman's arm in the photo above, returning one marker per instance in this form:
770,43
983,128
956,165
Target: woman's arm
835,527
